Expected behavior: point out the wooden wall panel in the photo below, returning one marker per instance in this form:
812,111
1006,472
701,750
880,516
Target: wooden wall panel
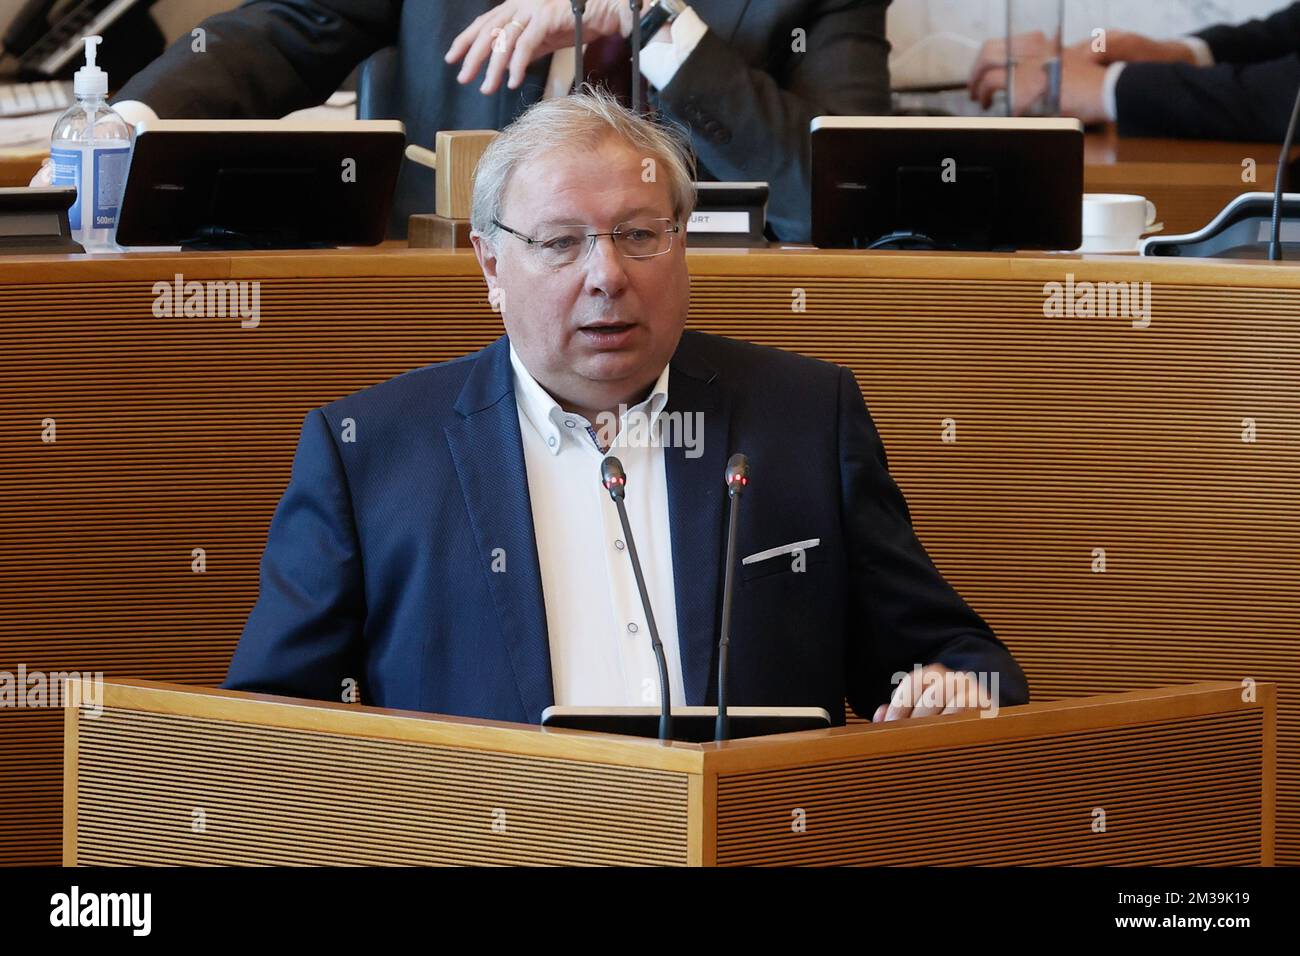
1073,434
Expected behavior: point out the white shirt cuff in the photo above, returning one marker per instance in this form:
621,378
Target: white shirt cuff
133,111
663,56
1200,50
1108,90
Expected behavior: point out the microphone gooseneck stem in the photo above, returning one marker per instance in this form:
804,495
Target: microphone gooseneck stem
636,55
1009,64
721,729
665,701
1274,245
579,8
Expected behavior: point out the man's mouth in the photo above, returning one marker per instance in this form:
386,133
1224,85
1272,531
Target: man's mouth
608,334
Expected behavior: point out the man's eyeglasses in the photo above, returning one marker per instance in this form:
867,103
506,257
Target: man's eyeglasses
565,245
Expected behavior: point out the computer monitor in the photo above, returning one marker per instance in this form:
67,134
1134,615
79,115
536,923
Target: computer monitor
947,183
260,184
691,724
34,221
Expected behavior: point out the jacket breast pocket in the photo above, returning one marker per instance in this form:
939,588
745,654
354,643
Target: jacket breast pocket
796,557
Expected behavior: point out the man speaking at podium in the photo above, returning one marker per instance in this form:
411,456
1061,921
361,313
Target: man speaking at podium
445,543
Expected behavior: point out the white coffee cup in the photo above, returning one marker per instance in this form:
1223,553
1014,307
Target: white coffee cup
1115,221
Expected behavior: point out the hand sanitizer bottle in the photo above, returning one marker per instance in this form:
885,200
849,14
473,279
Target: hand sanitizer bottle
90,150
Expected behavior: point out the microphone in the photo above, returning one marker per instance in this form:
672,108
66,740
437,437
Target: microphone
737,478
579,8
1274,246
614,479
636,54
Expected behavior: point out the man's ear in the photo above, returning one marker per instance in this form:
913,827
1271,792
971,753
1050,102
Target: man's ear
485,252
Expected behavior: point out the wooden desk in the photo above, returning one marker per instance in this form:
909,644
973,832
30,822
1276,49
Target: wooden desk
1188,180
1074,434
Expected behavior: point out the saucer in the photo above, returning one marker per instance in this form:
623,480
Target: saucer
1106,246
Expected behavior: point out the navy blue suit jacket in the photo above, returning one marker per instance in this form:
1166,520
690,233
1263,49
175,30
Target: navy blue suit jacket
379,562
1246,95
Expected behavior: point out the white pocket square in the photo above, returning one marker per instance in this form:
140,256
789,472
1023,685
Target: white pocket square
790,548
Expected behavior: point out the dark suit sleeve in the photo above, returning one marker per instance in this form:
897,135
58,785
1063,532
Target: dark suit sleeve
752,124
904,613
1227,101
264,59
304,635
1256,41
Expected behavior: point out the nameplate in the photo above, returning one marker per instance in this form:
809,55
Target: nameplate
729,221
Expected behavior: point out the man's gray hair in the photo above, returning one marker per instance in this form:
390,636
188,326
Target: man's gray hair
579,122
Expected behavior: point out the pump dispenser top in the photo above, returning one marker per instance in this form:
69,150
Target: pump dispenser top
90,80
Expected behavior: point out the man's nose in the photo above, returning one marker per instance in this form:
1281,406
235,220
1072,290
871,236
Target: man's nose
605,267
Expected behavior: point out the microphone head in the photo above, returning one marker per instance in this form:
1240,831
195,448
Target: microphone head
613,477
737,474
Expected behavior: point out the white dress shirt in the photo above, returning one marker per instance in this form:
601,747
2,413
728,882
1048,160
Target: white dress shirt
599,640
666,51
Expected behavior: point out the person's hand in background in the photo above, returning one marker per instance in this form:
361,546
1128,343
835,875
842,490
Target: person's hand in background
1082,76
932,689
44,176
1121,46
989,68
515,33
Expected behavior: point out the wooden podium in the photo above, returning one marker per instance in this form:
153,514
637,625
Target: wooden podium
168,774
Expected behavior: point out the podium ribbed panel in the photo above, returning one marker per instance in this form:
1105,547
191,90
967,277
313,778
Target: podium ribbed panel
177,791
1185,792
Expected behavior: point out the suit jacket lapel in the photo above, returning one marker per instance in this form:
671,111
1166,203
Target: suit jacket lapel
696,493
488,452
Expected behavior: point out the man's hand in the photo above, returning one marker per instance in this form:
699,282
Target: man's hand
1082,76
1122,46
934,689
989,73
517,32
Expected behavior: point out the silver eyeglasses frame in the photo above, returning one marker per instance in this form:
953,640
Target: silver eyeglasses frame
591,237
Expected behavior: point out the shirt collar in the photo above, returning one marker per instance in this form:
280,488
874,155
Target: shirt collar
552,422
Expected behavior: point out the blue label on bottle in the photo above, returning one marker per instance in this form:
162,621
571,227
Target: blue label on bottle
110,181
66,164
